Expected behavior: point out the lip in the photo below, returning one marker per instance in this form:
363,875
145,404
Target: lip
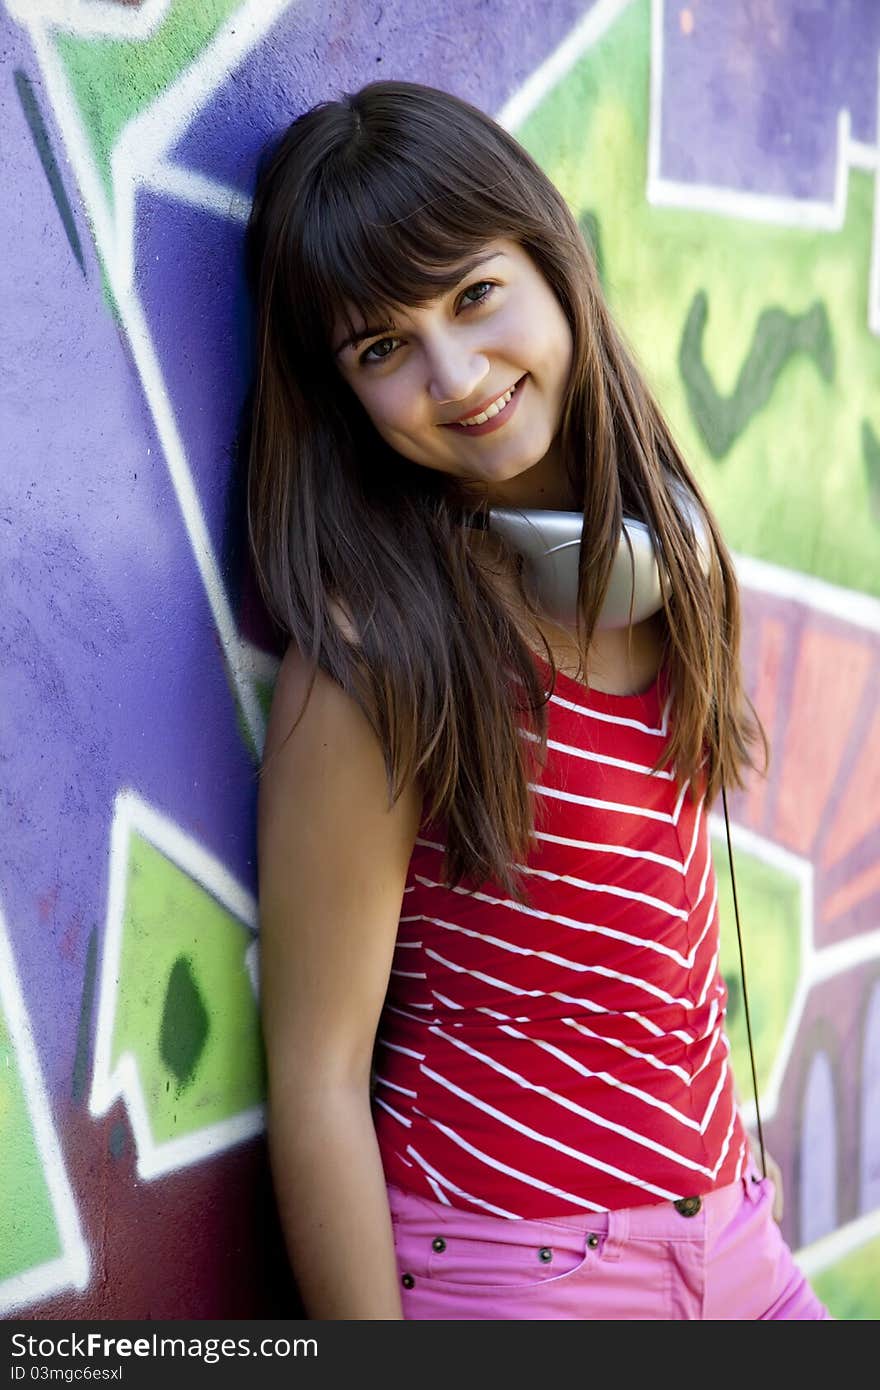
496,421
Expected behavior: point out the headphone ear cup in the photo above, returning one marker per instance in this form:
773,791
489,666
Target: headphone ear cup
635,589
549,544
687,507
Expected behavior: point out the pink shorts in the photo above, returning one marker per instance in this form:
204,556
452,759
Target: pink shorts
727,1261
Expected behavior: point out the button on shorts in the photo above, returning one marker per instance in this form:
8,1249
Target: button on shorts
722,1257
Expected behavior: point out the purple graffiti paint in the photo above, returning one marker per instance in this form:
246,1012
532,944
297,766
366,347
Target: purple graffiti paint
189,268
751,93
114,676
482,50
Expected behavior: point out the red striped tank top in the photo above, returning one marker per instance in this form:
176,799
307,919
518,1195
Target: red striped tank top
568,1055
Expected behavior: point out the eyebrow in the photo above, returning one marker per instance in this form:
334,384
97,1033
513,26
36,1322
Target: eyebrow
455,278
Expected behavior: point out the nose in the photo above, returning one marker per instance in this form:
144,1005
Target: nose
455,370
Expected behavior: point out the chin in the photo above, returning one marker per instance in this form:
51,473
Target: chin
510,472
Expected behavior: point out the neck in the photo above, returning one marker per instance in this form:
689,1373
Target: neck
621,661
545,487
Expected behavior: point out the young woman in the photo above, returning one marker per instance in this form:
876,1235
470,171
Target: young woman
499,1084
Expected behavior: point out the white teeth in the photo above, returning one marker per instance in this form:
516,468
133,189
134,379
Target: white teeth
490,410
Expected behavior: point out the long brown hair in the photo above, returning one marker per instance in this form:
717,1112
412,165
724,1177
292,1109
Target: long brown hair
374,201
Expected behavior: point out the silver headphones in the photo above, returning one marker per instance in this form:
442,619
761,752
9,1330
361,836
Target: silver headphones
549,542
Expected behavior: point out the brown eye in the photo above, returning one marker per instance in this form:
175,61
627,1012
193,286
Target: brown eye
480,292
379,351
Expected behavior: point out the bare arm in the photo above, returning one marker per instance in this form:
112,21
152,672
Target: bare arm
332,867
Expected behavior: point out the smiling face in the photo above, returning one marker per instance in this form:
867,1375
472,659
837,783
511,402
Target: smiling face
473,382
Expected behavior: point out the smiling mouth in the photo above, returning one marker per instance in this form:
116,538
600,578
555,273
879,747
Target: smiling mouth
496,408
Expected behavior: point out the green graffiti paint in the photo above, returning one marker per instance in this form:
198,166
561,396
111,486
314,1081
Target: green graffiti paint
850,1288
113,80
265,690
778,337
241,722
193,1073
794,487
80,1077
589,225
770,915
871,455
185,1023
40,136
29,1235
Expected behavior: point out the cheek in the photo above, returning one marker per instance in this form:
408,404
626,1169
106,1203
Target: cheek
552,344
390,408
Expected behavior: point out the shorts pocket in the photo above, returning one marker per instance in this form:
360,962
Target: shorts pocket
463,1260
472,1263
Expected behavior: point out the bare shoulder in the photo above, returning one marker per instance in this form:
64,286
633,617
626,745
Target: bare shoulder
292,688
294,683
322,755
310,716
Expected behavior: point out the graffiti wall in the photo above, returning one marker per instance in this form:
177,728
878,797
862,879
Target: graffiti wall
725,163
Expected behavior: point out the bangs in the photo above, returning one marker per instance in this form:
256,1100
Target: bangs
370,242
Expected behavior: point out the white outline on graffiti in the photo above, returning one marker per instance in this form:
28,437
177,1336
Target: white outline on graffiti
554,68
830,1249
71,1268
764,207
850,606
862,613
140,153
132,815
768,852
94,19
113,228
816,964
